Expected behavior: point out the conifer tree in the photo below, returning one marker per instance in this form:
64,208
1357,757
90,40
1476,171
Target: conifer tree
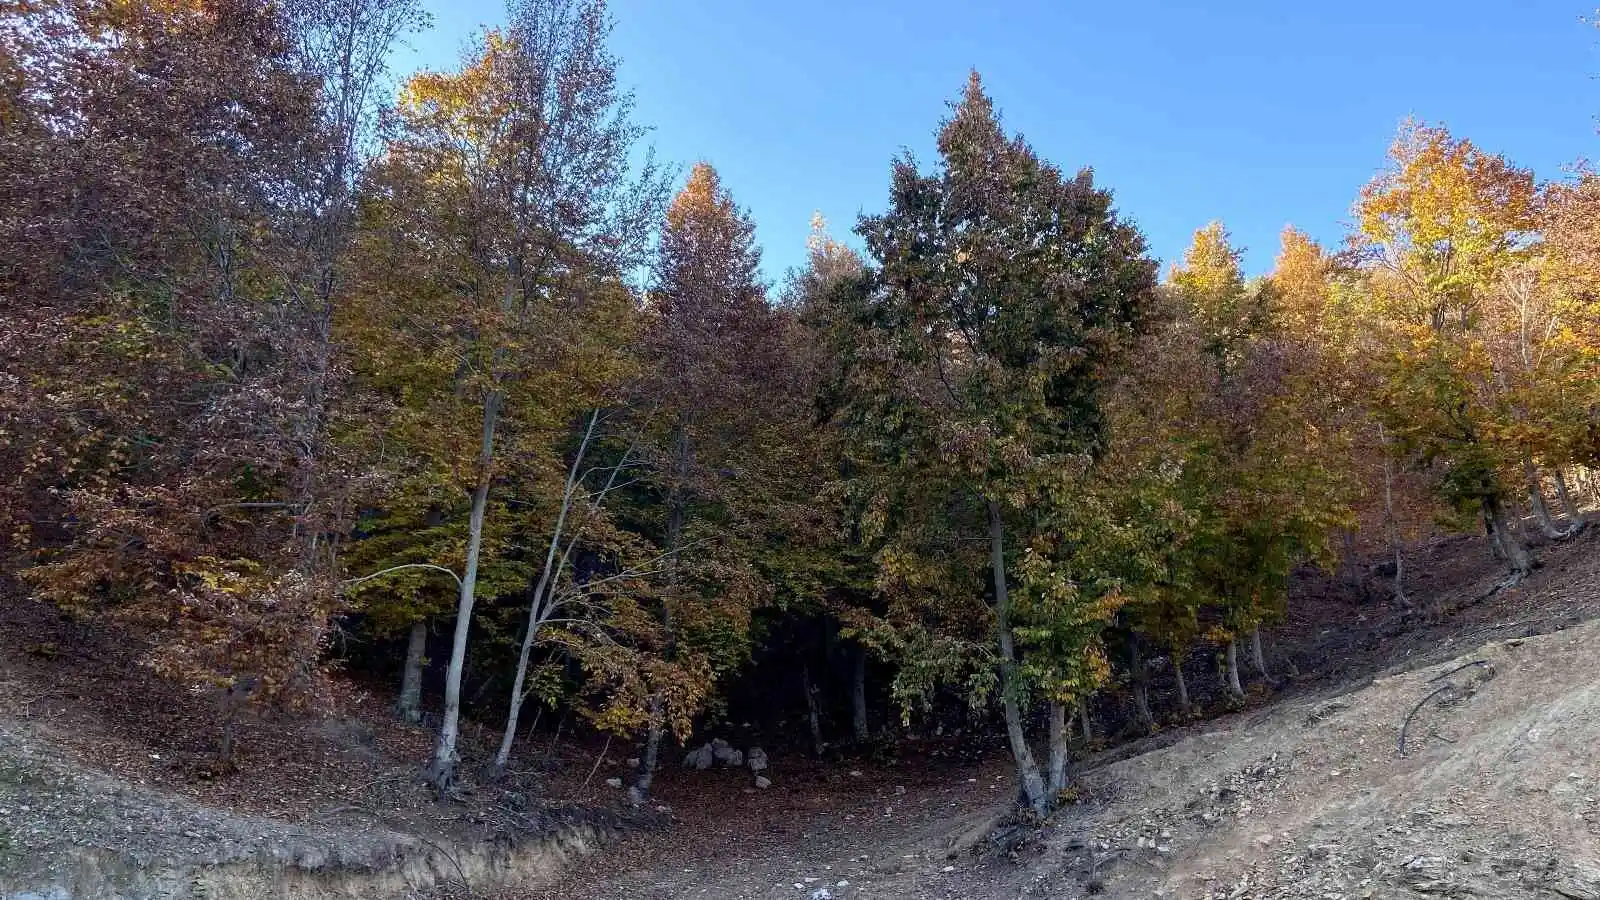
1002,292
710,344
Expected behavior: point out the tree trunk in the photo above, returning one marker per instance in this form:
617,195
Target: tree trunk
640,790
1087,723
1258,658
233,700
813,715
1516,555
1027,768
1391,523
1058,748
1141,686
409,706
1183,687
225,751
1234,687
858,695
508,738
1349,572
1574,515
677,515
1497,545
1541,512
538,605
442,773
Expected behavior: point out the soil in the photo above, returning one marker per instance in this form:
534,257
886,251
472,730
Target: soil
1298,793
1301,794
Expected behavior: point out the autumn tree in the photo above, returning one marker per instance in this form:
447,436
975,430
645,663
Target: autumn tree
1001,293
1437,231
1572,273
710,346
169,152
504,222
1272,447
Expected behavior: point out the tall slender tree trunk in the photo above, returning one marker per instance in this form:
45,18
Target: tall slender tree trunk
508,738
1391,522
1516,555
1574,515
677,514
1028,769
813,714
1141,683
1059,736
858,695
442,772
1234,687
1257,657
640,790
1085,721
1541,512
1497,544
1183,686
539,603
409,706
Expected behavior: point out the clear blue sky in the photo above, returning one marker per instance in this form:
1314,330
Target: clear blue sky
1260,113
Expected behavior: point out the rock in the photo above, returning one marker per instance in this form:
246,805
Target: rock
726,754
614,782
763,782
822,893
700,759
756,759
632,762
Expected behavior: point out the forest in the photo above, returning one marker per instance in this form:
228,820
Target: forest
460,389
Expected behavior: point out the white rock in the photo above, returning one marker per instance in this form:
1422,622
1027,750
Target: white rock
700,759
763,782
756,759
614,782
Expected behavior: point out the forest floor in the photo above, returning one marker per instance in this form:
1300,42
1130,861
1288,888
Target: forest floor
1300,793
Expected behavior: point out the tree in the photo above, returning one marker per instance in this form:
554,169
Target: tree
1273,445
1002,293
164,151
508,221
1572,273
710,344
1436,232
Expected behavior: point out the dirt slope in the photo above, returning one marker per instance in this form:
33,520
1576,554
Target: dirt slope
1301,796
1498,794
1306,796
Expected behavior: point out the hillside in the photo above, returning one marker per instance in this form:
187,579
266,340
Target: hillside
1300,795
1305,796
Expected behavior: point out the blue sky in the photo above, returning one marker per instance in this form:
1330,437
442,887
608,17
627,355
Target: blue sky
1260,113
